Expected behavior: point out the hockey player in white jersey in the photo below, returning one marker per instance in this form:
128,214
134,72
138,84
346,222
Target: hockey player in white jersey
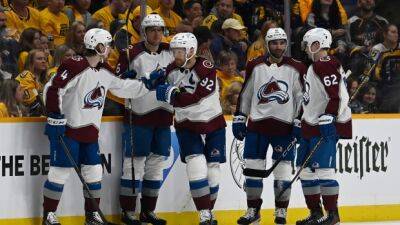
74,100
147,124
326,118
199,122
269,102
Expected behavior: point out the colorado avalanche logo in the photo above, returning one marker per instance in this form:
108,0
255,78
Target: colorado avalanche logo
95,98
274,90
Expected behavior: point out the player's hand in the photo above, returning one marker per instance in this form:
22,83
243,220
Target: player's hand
239,128
155,78
55,126
130,74
166,92
296,132
327,126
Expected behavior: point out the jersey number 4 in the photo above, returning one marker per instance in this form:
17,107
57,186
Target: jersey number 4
207,83
330,80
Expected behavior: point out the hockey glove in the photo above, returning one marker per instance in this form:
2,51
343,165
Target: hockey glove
327,126
55,126
156,78
130,74
239,128
296,132
166,93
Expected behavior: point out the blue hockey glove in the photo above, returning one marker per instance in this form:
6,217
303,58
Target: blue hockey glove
239,128
327,127
166,92
296,132
55,126
130,74
156,78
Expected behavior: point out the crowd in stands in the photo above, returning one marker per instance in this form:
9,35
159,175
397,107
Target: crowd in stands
36,36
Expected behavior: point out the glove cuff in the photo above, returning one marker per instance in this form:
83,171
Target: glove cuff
239,119
56,119
326,119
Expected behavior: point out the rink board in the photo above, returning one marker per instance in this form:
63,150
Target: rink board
368,168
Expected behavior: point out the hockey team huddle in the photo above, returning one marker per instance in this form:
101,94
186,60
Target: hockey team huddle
166,84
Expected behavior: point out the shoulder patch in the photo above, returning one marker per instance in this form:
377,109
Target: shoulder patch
208,64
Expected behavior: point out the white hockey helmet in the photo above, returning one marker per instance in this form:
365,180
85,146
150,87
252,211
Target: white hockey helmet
320,35
152,20
275,34
186,41
96,36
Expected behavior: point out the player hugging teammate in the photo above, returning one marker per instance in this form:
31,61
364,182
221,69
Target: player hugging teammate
281,103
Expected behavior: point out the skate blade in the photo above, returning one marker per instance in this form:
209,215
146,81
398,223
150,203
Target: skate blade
257,222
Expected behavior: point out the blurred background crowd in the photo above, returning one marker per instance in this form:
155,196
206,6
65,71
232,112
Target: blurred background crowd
36,36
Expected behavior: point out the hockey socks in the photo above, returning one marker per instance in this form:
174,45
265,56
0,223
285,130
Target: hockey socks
279,185
127,198
330,194
52,194
312,193
200,191
254,188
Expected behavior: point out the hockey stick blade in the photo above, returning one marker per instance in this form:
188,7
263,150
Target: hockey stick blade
310,154
266,173
85,186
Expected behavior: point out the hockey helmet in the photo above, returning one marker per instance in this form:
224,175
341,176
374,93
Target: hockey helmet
96,36
186,41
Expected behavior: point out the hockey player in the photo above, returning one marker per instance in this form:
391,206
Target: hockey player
326,117
147,124
269,102
199,123
74,100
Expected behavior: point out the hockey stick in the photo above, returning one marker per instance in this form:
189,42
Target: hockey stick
362,84
303,165
85,186
266,173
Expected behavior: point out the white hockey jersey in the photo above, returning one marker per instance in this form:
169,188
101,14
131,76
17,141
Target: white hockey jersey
78,91
326,93
197,107
271,95
147,110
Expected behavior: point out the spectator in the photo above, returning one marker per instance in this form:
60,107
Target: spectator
327,14
171,19
366,102
32,80
390,41
62,53
45,47
302,9
21,16
30,39
54,23
114,11
193,16
3,74
11,98
96,24
229,100
78,11
41,4
366,26
223,10
227,72
352,85
9,48
204,38
131,31
387,74
258,47
230,41
75,36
